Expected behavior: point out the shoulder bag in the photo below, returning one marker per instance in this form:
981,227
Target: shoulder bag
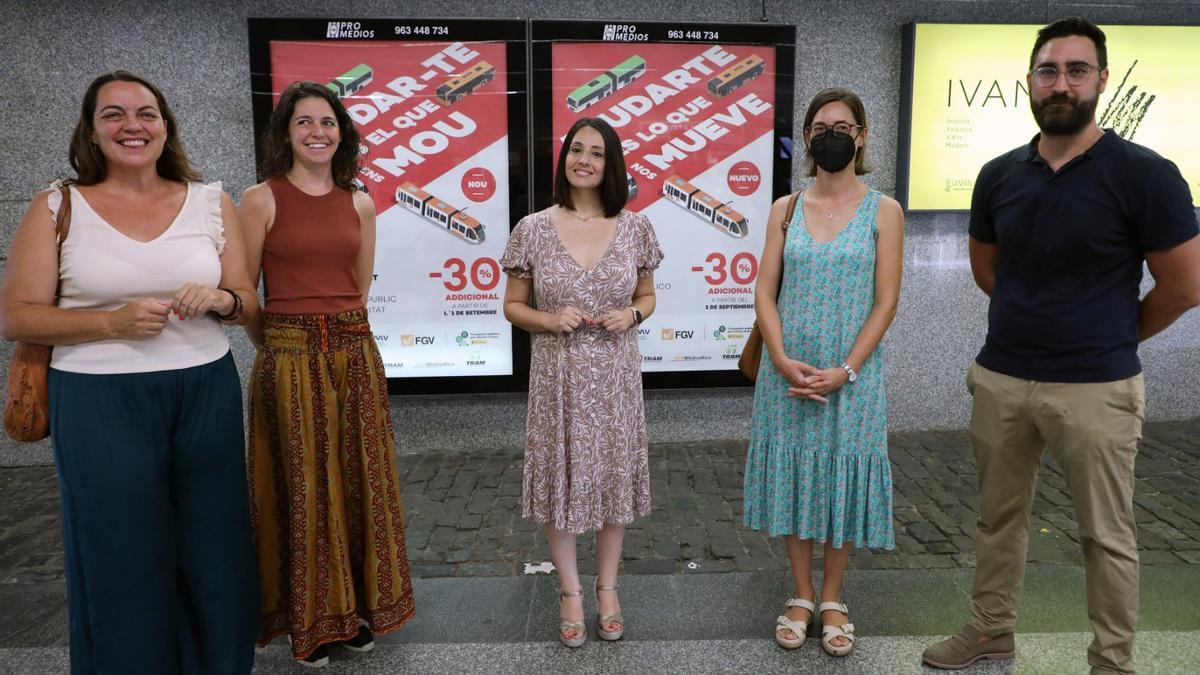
27,401
752,352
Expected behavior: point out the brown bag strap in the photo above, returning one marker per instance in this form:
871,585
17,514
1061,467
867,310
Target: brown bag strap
791,211
62,224
786,219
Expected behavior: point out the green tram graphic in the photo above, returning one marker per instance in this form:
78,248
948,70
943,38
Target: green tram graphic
606,83
351,81
705,206
464,83
740,73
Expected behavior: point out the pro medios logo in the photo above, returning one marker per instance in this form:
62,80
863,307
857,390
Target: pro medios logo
619,32
347,29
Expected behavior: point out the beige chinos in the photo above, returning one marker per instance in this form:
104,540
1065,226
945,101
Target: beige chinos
1092,430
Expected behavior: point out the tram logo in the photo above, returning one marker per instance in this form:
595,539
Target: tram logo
706,207
452,219
351,81
464,83
740,73
607,83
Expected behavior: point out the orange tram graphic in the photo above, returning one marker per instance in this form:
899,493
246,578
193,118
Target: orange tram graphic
740,73
452,219
457,87
705,206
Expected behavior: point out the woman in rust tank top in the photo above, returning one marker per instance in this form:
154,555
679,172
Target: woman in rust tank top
325,495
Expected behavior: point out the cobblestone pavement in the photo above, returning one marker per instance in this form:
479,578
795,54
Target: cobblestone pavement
463,511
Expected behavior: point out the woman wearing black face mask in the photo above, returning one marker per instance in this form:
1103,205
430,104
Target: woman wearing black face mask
817,468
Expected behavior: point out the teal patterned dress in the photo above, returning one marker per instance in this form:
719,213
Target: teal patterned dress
821,471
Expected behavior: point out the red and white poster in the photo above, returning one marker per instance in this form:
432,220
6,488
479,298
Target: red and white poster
434,122
697,124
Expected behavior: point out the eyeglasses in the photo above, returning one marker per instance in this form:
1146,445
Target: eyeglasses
1077,73
843,128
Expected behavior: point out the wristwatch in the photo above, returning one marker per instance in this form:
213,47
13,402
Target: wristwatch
637,316
850,371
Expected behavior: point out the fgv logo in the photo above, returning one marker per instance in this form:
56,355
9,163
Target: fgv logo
672,334
347,29
414,340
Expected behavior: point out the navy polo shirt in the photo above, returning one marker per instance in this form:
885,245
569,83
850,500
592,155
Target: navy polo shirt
1070,248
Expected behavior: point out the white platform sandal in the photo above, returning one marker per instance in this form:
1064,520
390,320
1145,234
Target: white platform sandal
800,628
829,632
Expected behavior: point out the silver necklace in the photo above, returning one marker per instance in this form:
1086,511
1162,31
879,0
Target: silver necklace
838,211
576,216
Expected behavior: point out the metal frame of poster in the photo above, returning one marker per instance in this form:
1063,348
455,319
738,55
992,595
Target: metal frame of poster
443,111
704,112
965,100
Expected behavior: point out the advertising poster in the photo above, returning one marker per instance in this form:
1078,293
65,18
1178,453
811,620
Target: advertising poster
432,102
968,101
700,116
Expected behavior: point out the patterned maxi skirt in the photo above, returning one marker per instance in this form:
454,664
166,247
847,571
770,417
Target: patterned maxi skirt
325,494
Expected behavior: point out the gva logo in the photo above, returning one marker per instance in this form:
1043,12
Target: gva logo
414,340
643,331
347,29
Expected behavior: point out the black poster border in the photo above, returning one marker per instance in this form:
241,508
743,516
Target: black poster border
543,33
263,30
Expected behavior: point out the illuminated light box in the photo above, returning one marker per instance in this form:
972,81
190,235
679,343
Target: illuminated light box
966,100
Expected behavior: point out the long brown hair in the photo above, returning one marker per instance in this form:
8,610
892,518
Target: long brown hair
276,143
89,163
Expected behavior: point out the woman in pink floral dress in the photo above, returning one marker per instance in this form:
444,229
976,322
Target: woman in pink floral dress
590,265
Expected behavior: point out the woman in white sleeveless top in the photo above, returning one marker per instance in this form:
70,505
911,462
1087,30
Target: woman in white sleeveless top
146,409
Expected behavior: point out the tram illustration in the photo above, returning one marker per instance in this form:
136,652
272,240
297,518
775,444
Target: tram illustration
606,83
740,73
454,220
351,81
457,87
705,206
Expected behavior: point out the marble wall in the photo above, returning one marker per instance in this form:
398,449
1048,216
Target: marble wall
197,52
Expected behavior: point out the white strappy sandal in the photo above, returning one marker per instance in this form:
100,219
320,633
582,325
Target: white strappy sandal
829,632
800,628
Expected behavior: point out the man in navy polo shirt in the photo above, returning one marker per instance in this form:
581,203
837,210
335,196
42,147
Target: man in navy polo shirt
1059,230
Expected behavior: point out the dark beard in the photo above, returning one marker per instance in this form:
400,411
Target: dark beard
1061,123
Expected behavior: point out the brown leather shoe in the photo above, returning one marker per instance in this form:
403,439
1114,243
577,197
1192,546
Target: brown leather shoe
961,650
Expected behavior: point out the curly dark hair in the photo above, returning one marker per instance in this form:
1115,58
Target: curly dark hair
277,146
89,163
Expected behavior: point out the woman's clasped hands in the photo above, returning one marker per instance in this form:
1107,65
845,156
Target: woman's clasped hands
810,382
570,319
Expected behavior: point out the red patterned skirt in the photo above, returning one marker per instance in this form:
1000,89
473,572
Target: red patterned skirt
325,493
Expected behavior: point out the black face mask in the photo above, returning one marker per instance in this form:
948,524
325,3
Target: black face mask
832,151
